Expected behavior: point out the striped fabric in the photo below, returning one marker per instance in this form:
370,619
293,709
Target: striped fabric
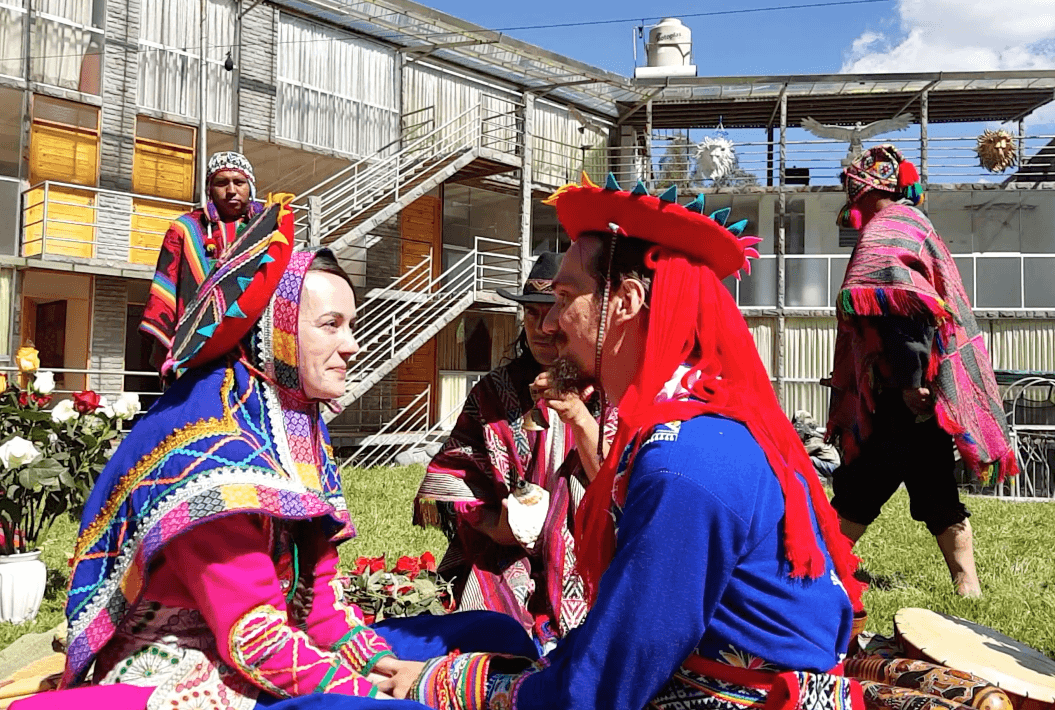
901,267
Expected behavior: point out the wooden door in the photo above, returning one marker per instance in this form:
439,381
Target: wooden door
50,338
420,229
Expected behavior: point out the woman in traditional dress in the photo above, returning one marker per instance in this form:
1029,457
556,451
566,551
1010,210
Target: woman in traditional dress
205,574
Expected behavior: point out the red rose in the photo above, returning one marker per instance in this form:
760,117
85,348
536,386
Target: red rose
428,562
23,399
405,589
41,400
86,402
369,565
408,565
368,619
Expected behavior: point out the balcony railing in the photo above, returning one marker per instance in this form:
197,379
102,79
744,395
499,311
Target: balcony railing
813,162
1006,281
64,220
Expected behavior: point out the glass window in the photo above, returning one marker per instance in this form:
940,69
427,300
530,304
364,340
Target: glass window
996,220
12,31
67,44
6,284
1038,222
169,57
760,288
1001,286
546,232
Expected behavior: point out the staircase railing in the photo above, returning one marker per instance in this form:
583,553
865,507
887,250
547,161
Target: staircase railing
409,426
347,195
418,302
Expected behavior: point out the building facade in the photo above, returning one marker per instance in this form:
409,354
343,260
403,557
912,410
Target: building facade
420,147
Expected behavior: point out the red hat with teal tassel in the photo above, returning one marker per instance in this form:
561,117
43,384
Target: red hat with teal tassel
661,220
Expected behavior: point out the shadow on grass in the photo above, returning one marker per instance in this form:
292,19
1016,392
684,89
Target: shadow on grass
878,581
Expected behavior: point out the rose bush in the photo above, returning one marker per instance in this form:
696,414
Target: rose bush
49,459
410,588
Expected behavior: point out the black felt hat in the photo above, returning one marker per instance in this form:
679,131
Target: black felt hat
539,285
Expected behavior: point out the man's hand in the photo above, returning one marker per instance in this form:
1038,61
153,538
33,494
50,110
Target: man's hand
401,676
919,400
570,407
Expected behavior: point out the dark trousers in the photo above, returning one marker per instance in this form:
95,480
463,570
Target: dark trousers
901,451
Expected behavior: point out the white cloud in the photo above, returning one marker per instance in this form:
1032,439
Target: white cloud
959,35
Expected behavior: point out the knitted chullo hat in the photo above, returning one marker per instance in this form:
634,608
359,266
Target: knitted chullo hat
693,319
230,160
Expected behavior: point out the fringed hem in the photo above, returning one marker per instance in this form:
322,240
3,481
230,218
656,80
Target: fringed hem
863,301
427,513
984,471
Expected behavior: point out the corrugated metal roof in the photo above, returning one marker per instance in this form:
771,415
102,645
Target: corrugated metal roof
753,102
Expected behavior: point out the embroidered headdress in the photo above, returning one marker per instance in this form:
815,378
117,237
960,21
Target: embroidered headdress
883,168
693,319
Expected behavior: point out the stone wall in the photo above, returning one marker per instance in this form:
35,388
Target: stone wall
109,313
256,79
120,80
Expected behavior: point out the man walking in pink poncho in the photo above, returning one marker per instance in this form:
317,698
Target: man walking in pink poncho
911,374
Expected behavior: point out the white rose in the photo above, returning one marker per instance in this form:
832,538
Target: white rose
44,382
105,408
127,405
18,451
64,411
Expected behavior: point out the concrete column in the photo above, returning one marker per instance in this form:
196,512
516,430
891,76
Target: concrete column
525,184
780,248
924,143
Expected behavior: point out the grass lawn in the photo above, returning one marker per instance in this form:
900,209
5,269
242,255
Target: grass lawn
1014,543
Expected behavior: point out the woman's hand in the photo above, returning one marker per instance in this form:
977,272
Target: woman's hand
400,676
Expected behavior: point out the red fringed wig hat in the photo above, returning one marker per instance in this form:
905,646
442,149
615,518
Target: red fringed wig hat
691,314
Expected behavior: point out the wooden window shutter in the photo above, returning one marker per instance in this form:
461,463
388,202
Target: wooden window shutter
161,170
64,142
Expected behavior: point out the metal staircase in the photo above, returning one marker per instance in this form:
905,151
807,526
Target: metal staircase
402,317
342,209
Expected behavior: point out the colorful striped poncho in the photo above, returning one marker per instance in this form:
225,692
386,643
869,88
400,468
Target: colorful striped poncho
901,267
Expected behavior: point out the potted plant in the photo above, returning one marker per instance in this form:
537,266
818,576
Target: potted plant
49,460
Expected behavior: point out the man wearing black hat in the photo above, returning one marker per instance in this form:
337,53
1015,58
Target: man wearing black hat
506,484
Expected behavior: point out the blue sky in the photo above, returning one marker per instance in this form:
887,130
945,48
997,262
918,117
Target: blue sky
883,36
806,41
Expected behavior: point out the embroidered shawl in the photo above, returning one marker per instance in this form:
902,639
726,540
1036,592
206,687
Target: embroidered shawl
487,452
224,439
191,246
901,267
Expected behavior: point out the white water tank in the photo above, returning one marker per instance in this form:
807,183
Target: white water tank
668,51
669,44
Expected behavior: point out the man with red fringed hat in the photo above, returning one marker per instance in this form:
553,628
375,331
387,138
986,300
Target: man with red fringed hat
715,566
911,372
